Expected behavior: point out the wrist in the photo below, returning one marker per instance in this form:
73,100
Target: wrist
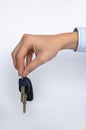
71,41
67,41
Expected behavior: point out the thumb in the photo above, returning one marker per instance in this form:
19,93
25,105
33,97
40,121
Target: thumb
31,66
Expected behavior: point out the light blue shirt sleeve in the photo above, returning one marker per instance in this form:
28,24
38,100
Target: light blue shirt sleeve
81,39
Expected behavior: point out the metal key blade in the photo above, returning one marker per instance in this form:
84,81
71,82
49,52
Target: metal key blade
24,107
24,102
23,98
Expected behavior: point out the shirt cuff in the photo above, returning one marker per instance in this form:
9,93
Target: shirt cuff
81,39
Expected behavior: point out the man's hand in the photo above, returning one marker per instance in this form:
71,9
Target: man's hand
45,47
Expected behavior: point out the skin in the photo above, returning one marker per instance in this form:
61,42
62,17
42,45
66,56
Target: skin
45,47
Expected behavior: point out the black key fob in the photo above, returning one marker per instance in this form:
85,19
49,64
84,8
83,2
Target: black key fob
26,82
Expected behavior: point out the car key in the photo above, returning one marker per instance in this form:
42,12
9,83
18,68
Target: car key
25,87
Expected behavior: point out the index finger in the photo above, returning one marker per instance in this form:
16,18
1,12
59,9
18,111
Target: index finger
20,58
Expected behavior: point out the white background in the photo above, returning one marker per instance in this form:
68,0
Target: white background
59,85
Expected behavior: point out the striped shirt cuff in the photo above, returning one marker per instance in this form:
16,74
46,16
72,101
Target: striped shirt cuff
81,39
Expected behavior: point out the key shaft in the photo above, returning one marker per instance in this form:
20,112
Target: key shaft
23,98
24,107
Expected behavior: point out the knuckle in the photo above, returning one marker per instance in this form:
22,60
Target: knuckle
26,38
24,35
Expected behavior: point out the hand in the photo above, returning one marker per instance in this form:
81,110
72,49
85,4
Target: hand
45,47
